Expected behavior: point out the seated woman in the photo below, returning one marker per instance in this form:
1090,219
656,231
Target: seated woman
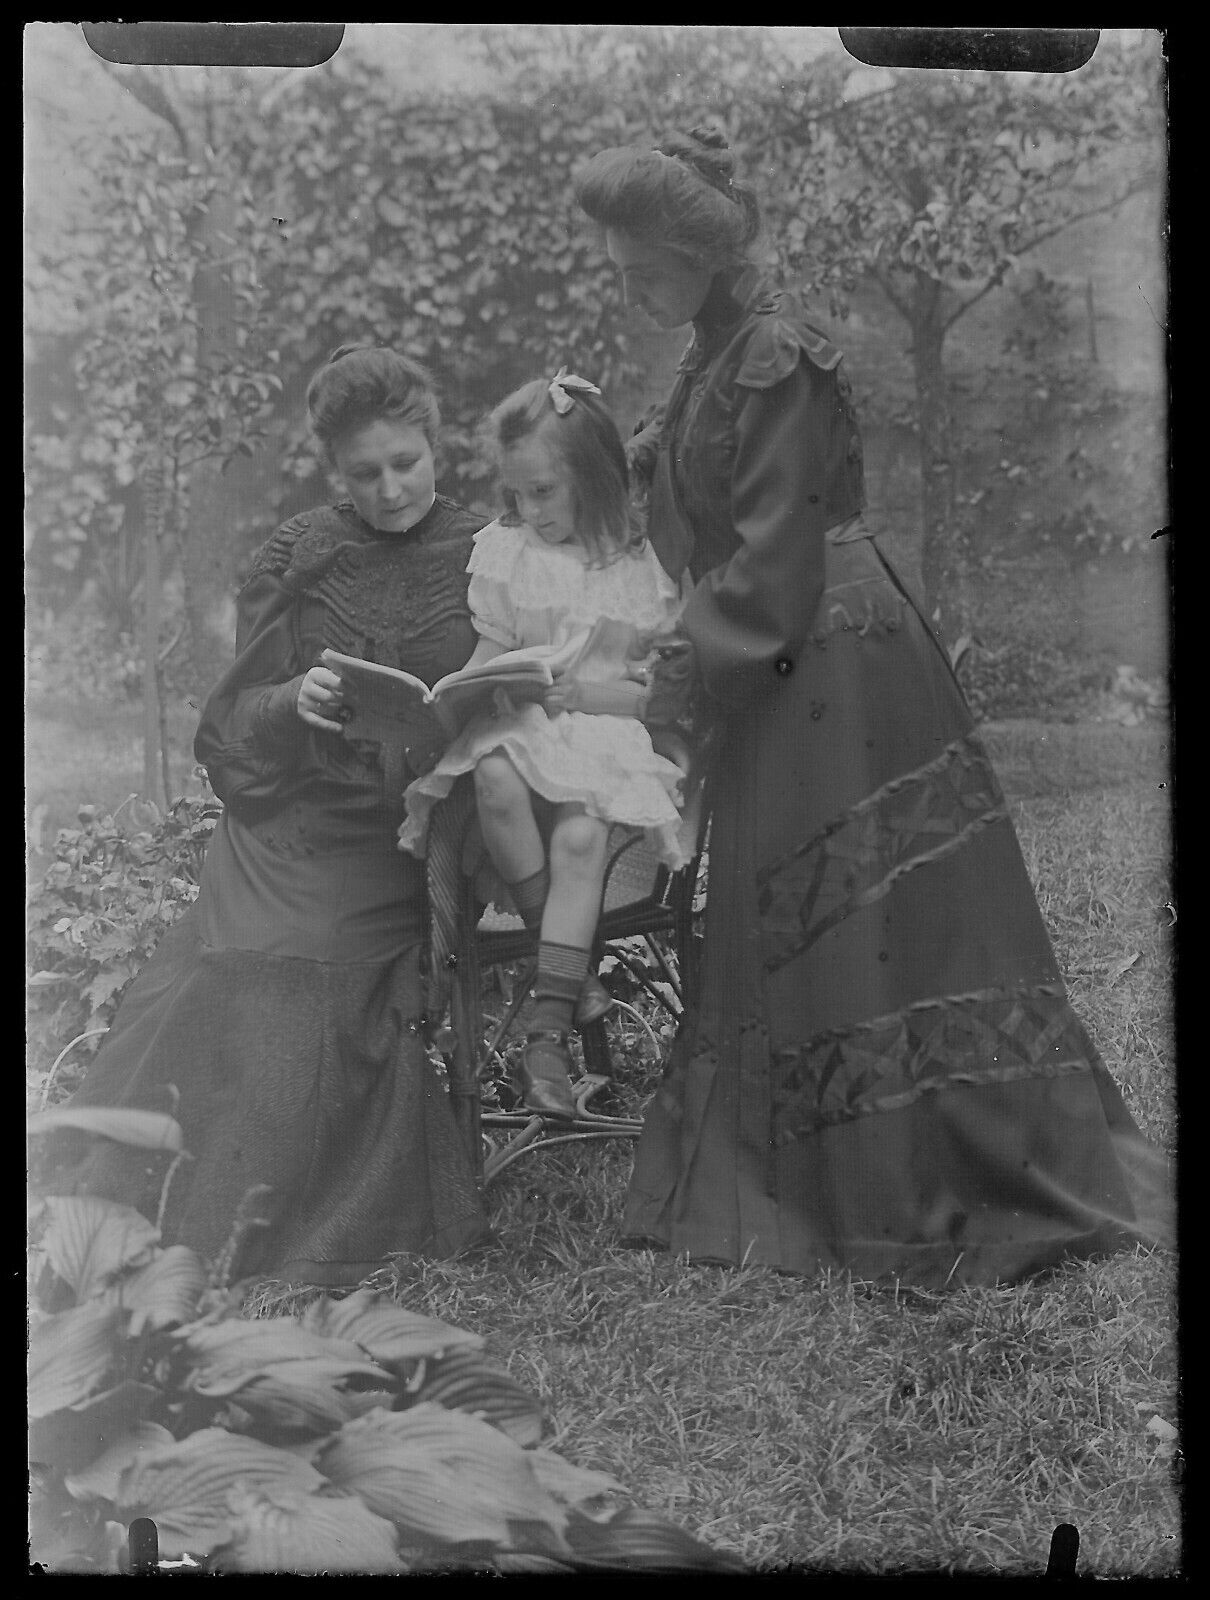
280,1019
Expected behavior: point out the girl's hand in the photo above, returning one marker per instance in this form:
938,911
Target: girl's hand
563,695
624,698
319,700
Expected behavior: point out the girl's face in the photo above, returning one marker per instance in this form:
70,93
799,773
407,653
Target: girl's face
657,280
387,468
533,472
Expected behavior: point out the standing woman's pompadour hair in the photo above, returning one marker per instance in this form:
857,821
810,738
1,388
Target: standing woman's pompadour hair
680,196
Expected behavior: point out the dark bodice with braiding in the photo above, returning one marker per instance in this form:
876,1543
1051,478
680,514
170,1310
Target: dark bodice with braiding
327,579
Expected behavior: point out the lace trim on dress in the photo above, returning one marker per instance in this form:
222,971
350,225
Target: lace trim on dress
526,588
988,1036
856,859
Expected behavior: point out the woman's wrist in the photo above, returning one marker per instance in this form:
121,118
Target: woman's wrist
623,698
277,719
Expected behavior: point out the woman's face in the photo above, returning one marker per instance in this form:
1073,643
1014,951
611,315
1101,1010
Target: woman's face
387,468
658,280
532,471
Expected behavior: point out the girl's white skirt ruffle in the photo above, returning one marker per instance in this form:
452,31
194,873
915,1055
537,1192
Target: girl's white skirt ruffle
605,764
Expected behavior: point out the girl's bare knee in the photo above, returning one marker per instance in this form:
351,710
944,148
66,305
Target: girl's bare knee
499,787
578,844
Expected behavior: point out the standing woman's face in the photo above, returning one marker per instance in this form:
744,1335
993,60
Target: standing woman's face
387,468
659,281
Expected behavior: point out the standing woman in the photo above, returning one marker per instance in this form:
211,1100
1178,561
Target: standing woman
280,1020
883,1073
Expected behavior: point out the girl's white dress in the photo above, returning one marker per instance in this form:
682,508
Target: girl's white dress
524,592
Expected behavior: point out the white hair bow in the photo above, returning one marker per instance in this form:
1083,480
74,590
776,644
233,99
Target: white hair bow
560,385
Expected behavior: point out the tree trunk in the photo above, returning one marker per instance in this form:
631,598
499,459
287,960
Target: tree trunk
205,547
154,504
943,564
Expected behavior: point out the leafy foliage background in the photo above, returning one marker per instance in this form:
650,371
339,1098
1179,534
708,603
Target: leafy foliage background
241,233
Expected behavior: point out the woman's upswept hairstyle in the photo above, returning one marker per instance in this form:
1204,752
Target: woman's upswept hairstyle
680,196
588,444
360,384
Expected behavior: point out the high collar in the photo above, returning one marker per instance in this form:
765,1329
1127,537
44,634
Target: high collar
727,302
724,302
384,535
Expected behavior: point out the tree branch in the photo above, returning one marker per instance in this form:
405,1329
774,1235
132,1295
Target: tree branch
997,276
851,108
1137,187
901,305
172,644
152,98
994,282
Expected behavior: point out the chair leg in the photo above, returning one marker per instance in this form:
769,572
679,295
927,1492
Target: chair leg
466,1021
596,1048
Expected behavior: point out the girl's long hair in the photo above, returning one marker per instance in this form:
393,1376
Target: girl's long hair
587,442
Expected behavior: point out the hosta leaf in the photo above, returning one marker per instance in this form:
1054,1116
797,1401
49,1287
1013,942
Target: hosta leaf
150,1130
302,1395
358,1401
161,1294
71,1439
99,1481
89,1241
70,1356
529,1561
280,1530
465,1381
638,1540
387,1331
227,1355
440,1474
183,1487
424,1498
571,1485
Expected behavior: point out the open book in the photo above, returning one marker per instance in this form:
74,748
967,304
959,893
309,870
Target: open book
384,703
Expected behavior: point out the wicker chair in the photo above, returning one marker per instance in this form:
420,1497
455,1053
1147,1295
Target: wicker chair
642,898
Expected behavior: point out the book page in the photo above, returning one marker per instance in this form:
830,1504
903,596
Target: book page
382,703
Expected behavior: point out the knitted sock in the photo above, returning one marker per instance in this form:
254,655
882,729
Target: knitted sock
561,970
529,897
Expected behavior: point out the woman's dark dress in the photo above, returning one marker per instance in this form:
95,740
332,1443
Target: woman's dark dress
884,1073
284,1008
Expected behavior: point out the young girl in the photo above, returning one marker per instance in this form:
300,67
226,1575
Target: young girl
565,569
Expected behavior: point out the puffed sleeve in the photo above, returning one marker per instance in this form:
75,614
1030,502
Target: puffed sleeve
489,593
792,438
251,739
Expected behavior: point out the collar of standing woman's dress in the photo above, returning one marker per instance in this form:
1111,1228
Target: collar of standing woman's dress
731,296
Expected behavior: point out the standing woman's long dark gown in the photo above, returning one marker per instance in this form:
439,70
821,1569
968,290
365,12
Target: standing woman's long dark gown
884,1073
285,1007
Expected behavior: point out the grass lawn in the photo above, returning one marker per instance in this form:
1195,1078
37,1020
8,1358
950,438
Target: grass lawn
829,1425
